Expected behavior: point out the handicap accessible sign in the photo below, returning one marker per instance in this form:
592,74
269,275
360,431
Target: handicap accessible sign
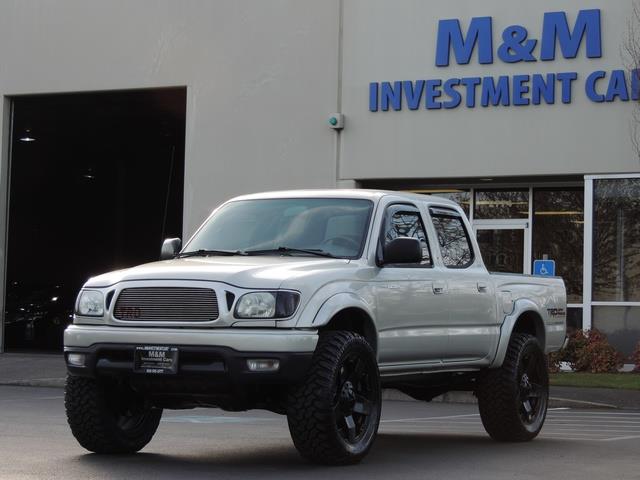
544,268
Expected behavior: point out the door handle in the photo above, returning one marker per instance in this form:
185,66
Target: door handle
438,288
482,287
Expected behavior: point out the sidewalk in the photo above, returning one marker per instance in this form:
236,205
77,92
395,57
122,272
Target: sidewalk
48,370
32,369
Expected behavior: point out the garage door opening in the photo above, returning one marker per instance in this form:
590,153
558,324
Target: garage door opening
96,184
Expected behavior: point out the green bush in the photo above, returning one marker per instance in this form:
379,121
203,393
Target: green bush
587,351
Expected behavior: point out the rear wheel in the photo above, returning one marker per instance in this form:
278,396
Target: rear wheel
513,399
334,415
106,416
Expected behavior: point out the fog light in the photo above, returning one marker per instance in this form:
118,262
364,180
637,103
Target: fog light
76,359
263,365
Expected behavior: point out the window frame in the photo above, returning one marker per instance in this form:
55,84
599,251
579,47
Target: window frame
410,208
441,211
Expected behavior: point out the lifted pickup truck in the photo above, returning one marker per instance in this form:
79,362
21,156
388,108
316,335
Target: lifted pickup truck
308,303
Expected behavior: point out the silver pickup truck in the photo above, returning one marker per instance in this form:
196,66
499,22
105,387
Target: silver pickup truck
308,303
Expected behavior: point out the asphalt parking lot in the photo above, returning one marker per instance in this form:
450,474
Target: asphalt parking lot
417,440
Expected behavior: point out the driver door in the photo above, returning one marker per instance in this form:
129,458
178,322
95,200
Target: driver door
411,315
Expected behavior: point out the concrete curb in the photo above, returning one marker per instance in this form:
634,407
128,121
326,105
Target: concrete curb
36,382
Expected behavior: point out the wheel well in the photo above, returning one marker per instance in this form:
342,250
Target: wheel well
354,320
531,323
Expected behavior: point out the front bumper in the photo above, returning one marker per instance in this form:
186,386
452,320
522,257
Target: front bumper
212,363
212,368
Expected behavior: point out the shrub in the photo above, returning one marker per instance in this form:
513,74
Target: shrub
554,361
578,340
587,351
596,355
635,358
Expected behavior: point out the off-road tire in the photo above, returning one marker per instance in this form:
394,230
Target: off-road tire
314,410
94,417
500,397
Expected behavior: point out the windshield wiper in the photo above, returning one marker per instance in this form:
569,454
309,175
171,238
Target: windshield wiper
318,252
205,253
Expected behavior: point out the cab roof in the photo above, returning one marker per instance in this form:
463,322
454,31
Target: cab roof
366,194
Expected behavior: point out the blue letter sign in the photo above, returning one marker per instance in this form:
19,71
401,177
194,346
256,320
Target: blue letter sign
450,36
555,26
565,37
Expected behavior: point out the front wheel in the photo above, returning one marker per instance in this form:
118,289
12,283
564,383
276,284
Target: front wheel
513,399
334,414
106,416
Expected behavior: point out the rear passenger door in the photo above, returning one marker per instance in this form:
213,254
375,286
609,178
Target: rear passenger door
472,324
411,318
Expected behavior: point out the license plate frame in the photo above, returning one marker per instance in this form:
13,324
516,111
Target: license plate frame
155,359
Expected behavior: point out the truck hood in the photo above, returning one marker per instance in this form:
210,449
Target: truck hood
243,272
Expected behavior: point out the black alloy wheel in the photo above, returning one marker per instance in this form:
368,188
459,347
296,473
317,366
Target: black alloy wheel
532,392
106,416
355,399
334,413
513,399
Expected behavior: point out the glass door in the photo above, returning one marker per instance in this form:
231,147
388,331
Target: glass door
504,246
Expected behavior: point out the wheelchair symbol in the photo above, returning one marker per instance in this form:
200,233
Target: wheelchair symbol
545,268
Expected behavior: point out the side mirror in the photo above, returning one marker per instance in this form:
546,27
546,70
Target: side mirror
170,248
403,250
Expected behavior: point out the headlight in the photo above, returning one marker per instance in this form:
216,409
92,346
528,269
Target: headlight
90,303
267,305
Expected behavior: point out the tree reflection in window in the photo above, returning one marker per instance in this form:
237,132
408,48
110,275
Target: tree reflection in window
616,240
453,240
499,204
558,227
408,224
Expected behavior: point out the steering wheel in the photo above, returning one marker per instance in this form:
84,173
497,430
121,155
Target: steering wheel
342,241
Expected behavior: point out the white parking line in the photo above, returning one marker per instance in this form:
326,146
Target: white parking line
582,412
630,437
417,419
561,424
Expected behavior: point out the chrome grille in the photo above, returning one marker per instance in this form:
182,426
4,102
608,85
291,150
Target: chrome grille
171,304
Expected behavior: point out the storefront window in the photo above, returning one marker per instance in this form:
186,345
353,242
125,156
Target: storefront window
501,204
616,240
502,249
461,197
558,233
574,320
621,325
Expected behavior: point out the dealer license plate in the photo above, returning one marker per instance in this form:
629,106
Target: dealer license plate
155,359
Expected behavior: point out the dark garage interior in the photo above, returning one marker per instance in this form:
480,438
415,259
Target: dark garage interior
96,184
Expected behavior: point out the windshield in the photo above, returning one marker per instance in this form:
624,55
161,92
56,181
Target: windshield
334,226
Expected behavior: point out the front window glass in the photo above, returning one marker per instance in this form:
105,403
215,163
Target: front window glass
621,325
402,223
502,249
501,204
335,226
616,240
558,226
453,240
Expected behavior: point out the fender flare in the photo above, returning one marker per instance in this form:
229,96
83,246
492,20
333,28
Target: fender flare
342,302
521,306
337,303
